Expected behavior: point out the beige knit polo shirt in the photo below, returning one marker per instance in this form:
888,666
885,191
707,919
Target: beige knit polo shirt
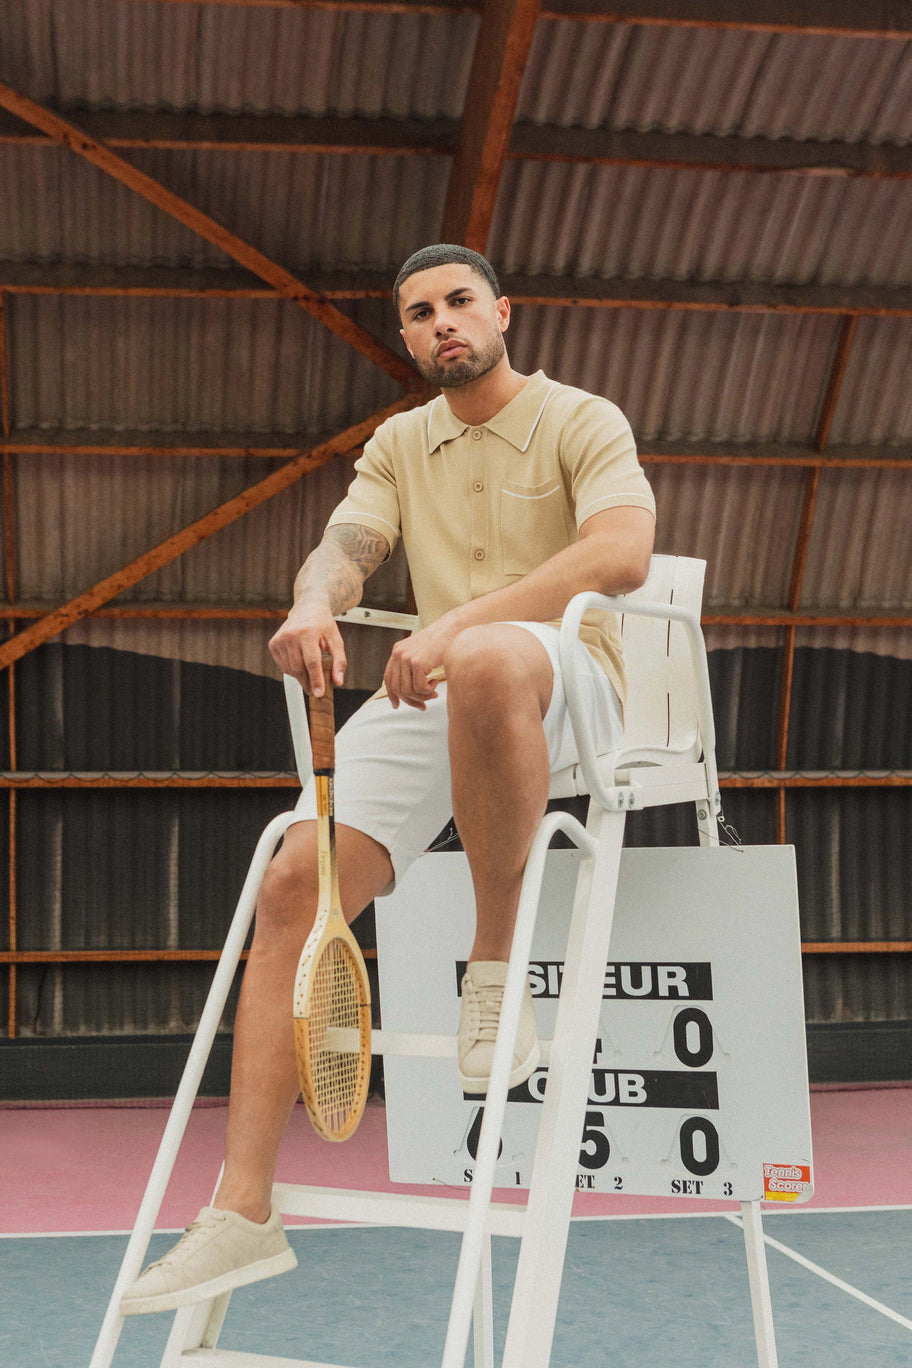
479,507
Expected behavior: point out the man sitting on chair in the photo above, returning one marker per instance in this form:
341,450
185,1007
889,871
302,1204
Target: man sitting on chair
511,493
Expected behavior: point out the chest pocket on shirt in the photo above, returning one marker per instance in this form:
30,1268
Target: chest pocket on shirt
533,523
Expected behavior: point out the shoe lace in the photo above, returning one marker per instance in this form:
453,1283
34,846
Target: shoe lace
489,1000
190,1238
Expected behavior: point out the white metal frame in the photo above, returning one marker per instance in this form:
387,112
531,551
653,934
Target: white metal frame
646,773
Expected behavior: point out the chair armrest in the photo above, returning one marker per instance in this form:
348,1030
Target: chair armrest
569,632
380,617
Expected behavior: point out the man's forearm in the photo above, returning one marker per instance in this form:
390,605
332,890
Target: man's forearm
335,570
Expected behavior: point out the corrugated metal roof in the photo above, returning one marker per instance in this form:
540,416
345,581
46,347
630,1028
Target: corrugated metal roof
741,521
297,208
188,364
565,218
683,375
860,552
705,80
875,402
108,54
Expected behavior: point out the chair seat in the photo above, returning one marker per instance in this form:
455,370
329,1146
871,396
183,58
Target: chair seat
643,767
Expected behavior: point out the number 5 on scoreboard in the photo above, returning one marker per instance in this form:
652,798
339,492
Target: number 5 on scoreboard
596,1147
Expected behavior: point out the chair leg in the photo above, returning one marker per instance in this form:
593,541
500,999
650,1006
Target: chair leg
484,1312
541,1258
758,1278
195,1327
130,1268
707,824
471,1251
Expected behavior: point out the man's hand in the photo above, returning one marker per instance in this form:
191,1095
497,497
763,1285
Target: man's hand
412,661
298,647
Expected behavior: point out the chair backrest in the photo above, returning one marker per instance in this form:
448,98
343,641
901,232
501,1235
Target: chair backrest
660,722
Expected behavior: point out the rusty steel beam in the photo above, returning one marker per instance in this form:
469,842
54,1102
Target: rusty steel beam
802,545
9,517
54,780
80,607
834,384
501,52
12,881
171,130
176,282
282,281
790,779
83,442
874,19
330,134
13,958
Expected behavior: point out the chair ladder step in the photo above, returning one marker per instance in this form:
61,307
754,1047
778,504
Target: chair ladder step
393,1209
233,1358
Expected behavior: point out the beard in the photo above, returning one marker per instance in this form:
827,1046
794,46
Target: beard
470,366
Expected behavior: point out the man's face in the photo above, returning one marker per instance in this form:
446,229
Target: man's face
452,324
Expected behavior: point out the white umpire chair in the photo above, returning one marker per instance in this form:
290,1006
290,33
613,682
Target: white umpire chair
668,756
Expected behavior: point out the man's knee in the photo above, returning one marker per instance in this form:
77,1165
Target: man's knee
480,659
287,899
497,666
288,895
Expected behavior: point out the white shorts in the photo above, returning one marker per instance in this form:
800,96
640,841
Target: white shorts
392,778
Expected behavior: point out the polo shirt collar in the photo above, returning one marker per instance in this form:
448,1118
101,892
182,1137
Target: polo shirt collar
516,422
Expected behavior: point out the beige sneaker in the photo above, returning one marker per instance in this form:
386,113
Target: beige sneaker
482,994
217,1253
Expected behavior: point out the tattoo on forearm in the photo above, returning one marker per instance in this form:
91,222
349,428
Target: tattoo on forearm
348,553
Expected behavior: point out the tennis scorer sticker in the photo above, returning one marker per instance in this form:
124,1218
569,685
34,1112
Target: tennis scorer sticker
786,1182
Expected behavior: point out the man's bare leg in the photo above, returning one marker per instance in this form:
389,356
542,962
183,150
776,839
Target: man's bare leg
264,1080
499,682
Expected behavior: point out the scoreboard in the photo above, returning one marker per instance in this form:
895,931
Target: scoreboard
699,1081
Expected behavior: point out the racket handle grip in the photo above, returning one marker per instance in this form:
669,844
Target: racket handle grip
322,723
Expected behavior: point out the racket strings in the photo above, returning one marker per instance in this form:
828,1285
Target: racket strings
336,1000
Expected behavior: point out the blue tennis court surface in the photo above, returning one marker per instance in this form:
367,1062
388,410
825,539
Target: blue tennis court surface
664,1292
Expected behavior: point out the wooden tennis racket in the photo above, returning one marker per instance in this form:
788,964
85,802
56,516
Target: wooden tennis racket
332,1011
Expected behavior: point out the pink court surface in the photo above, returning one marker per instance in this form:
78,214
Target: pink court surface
84,1168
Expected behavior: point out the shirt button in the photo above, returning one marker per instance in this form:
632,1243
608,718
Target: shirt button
478,486
477,435
479,554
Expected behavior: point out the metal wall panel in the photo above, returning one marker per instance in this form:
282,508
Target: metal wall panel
854,862
850,710
114,1000
849,988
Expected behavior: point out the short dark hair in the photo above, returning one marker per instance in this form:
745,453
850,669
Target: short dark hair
445,254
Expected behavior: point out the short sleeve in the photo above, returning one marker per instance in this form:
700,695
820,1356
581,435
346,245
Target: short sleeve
599,455
373,498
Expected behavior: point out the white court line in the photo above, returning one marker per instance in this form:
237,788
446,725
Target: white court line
773,1210
827,1276
576,1220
